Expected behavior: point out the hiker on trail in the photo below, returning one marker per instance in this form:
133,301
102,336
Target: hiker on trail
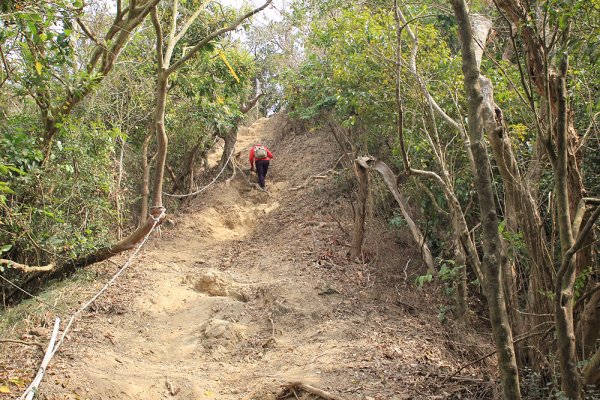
259,162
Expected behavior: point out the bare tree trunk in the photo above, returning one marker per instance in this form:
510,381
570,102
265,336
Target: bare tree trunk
231,137
590,322
118,196
188,177
565,277
162,140
491,238
521,215
362,178
462,306
390,180
591,372
230,140
145,181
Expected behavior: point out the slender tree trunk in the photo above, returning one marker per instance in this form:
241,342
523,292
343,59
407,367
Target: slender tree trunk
50,129
230,140
591,372
118,196
462,306
162,140
491,238
145,181
360,210
590,323
521,216
565,278
231,137
459,224
190,164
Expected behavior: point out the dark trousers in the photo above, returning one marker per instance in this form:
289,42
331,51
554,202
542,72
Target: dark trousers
261,170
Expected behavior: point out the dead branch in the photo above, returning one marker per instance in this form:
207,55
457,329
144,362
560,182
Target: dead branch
293,386
322,175
520,339
26,268
39,345
305,184
340,226
173,391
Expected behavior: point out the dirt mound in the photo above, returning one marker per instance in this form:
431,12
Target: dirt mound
215,283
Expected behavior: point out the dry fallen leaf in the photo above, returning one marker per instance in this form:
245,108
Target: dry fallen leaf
17,381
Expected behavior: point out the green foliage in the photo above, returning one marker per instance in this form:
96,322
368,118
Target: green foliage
581,282
449,271
397,221
18,146
213,91
63,208
421,280
515,241
443,311
209,101
39,42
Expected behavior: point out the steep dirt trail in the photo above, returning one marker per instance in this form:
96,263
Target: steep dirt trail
251,290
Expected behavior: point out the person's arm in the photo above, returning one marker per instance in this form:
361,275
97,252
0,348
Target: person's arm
252,159
269,154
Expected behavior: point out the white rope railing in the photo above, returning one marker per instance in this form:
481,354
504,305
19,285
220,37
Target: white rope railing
52,349
179,196
30,392
26,292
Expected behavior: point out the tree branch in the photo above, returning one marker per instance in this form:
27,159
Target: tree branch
159,39
250,105
26,268
214,34
190,21
87,32
39,345
172,41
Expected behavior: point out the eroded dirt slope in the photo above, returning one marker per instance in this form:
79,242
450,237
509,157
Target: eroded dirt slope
251,290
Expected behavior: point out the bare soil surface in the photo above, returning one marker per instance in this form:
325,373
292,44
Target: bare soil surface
247,291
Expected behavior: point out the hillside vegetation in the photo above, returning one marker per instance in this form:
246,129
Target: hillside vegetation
434,191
